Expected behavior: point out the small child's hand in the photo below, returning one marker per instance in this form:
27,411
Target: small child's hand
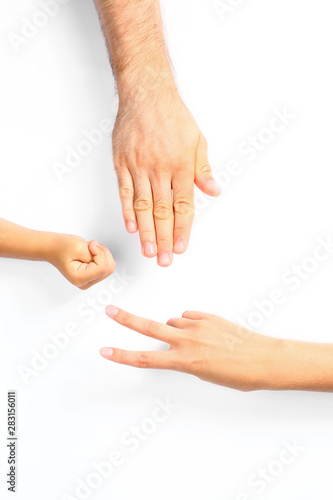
83,263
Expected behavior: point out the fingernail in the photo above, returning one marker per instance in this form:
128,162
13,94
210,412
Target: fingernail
149,248
131,227
164,259
111,311
179,246
213,187
106,352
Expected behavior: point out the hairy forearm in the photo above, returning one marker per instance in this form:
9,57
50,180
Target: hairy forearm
298,365
134,33
18,242
159,152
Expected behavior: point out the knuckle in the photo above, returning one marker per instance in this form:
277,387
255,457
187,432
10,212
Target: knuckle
142,204
143,360
188,338
161,172
162,211
126,193
183,161
171,322
140,173
119,162
125,317
183,207
119,356
197,361
194,329
80,245
151,327
147,234
205,168
194,366
163,242
128,212
142,158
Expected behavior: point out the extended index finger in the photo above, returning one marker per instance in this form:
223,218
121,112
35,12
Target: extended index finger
145,326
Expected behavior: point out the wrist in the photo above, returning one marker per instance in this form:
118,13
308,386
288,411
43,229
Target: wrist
153,80
47,246
293,365
275,374
265,366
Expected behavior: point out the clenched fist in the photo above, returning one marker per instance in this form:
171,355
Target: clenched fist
83,264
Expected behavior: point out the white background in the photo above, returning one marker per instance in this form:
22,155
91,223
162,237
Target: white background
232,73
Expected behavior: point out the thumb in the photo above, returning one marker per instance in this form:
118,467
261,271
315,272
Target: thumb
102,257
96,251
203,173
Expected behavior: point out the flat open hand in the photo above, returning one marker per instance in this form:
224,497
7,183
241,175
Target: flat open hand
159,153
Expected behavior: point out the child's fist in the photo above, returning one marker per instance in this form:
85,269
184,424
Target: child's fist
83,263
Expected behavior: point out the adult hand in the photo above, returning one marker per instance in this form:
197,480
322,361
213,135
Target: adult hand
204,345
158,150
159,153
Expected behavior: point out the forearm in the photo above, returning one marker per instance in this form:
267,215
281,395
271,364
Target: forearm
18,242
212,348
300,365
135,39
82,263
